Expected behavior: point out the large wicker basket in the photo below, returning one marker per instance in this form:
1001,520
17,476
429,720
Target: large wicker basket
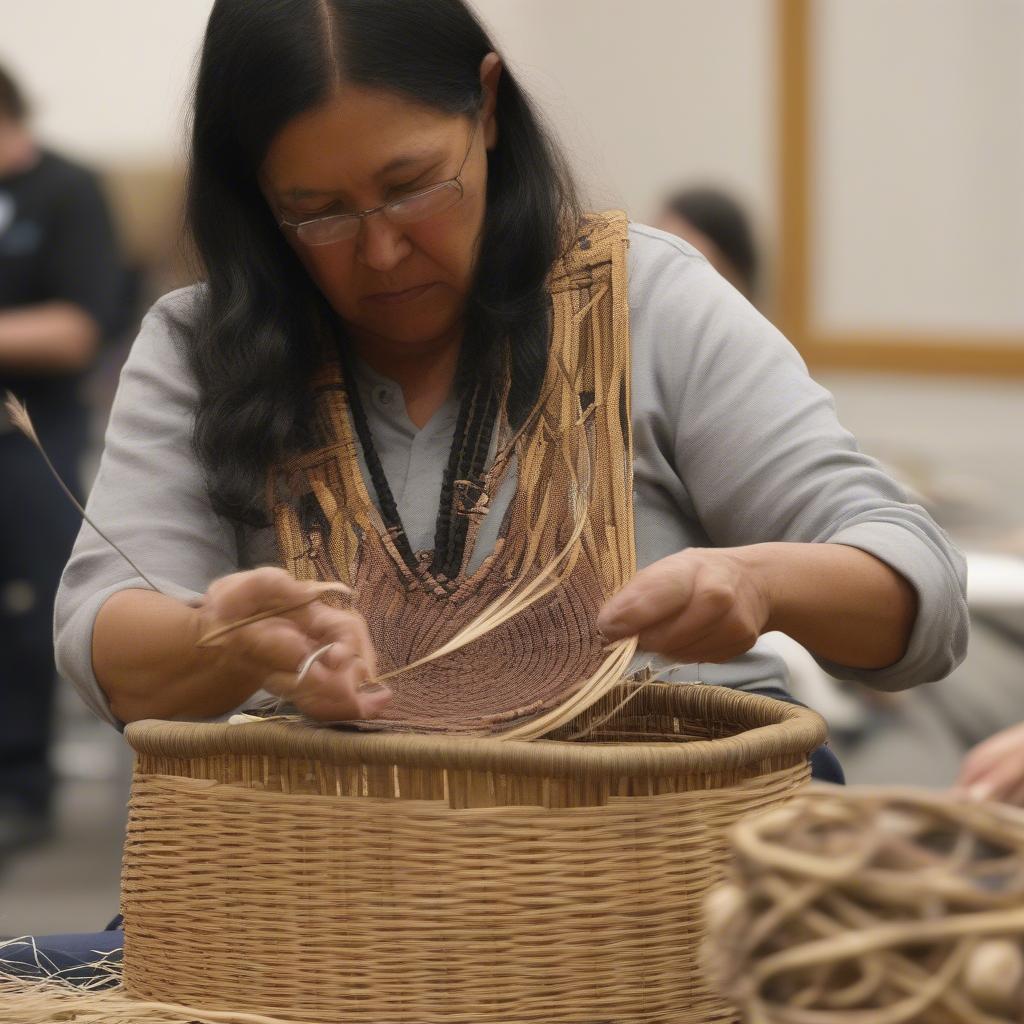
318,875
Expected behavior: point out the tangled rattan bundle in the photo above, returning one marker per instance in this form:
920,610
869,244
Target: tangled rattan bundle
284,873
873,907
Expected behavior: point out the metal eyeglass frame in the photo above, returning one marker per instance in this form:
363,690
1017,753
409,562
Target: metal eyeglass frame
358,218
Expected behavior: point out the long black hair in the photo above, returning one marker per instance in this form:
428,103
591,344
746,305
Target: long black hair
257,334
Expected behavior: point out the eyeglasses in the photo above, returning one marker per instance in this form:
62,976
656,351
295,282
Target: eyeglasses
411,209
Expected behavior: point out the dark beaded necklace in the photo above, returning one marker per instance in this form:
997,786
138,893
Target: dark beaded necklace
463,476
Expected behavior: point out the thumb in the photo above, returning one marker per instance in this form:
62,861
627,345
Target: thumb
373,699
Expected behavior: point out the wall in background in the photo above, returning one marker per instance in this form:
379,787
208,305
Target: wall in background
918,145
650,94
918,132
645,95
108,78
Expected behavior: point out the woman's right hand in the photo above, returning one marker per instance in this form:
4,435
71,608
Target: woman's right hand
338,686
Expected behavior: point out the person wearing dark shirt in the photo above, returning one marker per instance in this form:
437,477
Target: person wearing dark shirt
61,289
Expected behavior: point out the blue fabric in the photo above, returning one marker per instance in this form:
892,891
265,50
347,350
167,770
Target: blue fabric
71,957
825,766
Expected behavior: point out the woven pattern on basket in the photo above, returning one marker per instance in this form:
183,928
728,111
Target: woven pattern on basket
319,876
888,905
571,515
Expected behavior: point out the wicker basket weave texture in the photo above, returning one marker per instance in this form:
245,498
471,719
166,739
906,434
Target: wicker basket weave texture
323,876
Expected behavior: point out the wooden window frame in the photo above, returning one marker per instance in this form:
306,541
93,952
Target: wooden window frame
984,352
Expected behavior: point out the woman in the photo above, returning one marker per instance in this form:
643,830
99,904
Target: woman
396,275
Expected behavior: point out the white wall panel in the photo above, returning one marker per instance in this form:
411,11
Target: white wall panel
108,78
918,150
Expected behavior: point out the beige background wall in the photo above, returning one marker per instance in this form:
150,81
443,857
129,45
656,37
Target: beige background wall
645,94
108,77
918,121
652,92
918,118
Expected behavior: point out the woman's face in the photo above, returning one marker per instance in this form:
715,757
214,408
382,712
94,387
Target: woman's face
397,286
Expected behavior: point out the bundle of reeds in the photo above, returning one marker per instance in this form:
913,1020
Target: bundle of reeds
874,906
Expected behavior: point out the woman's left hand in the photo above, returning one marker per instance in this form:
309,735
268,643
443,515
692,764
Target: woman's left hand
702,604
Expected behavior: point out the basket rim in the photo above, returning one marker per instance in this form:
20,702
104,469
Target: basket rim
777,728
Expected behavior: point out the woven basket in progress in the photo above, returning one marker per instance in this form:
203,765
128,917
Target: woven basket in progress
316,875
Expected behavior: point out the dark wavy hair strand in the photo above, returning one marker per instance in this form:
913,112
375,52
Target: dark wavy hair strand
260,324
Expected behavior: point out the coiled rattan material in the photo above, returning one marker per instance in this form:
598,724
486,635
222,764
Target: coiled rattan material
316,875
873,906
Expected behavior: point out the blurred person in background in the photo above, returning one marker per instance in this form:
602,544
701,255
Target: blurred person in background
61,290
927,736
715,224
